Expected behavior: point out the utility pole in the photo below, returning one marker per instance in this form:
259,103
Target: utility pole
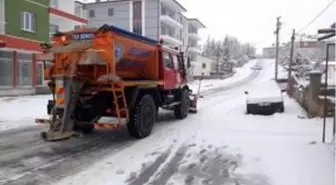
278,25
291,58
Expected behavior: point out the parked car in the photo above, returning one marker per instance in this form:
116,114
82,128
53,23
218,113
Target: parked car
256,67
265,99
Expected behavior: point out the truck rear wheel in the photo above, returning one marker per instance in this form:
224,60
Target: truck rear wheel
181,111
142,117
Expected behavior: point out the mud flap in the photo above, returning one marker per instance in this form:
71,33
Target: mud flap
62,124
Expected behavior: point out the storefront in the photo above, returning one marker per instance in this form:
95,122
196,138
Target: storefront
20,72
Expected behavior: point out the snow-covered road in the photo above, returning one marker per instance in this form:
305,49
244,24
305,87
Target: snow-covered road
219,145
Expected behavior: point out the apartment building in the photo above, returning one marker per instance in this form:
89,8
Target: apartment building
193,37
157,19
24,25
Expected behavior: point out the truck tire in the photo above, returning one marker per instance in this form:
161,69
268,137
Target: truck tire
142,117
181,111
85,128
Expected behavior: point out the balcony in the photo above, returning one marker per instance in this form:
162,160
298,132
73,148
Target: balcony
194,36
193,49
170,40
170,21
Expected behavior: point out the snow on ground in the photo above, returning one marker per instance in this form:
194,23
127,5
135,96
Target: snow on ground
241,73
22,111
222,145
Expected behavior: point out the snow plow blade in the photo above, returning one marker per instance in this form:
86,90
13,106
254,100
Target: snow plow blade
52,135
57,136
193,103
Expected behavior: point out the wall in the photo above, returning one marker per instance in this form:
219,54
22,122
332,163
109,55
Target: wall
68,6
152,10
64,24
40,8
309,96
121,17
185,33
2,17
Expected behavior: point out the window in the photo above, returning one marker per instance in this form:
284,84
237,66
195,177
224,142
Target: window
203,65
25,72
77,27
137,30
54,3
176,62
28,21
91,13
110,12
6,72
39,80
167,61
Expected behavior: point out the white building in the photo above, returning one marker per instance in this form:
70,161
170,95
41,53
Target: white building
65,15
202,66
193,37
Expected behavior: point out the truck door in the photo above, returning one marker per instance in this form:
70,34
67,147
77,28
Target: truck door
169,72
177,71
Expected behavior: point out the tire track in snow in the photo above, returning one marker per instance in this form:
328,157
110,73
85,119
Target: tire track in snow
170,168
147,173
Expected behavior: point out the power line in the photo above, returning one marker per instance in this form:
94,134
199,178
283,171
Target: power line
317,16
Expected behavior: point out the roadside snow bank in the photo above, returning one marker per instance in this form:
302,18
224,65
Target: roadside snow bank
22,111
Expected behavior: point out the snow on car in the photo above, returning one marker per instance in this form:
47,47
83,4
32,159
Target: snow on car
264,99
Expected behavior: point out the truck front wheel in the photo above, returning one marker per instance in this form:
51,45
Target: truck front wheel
181,111
142,117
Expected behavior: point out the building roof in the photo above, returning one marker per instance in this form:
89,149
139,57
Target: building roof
197,23
180,5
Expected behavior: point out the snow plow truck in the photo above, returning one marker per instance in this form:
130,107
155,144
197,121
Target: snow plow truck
110,72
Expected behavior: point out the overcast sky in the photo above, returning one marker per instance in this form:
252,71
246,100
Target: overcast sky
254,20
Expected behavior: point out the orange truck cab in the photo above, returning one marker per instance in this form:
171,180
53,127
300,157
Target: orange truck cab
115,73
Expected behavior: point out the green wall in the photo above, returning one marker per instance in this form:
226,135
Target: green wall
13,9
